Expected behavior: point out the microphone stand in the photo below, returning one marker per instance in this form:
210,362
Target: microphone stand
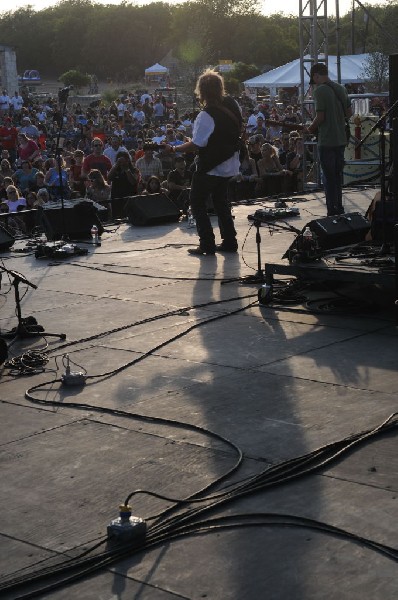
259,277
27,327
63,99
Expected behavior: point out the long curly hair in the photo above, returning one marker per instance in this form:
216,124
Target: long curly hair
210,88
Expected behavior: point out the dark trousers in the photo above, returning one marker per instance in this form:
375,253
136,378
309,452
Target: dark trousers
201,187
332,163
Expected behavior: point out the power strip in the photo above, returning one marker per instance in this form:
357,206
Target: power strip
74,378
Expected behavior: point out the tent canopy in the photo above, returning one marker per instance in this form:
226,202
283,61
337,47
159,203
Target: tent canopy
156,69
289,75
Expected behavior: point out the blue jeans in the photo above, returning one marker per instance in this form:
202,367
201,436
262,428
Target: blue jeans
201,187
332,163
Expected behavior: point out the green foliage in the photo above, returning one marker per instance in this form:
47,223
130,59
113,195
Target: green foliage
75,78
109,96
228,8
121,41
242,71
232,85
376,72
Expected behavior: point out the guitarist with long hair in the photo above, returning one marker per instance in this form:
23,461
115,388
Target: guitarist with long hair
216,139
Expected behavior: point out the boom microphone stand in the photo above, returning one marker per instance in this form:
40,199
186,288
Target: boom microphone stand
62,99
27,327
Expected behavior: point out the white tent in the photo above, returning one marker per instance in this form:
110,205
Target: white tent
289,75
156,69
157,73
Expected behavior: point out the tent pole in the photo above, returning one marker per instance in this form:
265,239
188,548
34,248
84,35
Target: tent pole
353,27
338,57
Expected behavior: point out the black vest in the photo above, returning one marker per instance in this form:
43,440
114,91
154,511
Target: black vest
225,139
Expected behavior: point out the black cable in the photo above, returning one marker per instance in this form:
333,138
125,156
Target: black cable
146,275
169,341
291,469
189,524
30,362
238,521
102,541
171,313
280,520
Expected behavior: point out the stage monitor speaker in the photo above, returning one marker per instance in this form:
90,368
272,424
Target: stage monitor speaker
6,239
74,222
341,230
151,209
24,220
119,207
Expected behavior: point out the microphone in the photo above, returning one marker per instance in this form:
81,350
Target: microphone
64,93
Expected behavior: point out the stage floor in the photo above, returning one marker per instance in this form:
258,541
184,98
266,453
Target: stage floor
173,353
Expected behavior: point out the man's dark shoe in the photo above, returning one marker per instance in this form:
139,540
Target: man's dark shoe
198,251
222,248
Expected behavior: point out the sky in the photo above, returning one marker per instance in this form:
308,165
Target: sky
268,7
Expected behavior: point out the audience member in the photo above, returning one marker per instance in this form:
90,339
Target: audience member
9,139
178,182
14,200
27,148
149,165
272,174
30,130
112,150
42,197
76,179
56,181
96,160
4,103
98,190
5,168
124,176
154,186
25,176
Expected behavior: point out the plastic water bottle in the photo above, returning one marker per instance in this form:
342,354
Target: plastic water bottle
307,237
94,235
191,219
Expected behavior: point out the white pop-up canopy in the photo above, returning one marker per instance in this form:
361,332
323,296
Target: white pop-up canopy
288,75
156,69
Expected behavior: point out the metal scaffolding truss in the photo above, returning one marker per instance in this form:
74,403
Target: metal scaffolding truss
313,32
313,37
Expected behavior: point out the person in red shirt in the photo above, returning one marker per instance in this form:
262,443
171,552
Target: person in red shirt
9,139
139,153
27,148
96,160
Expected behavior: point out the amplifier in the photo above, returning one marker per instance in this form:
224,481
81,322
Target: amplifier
341,230
74,222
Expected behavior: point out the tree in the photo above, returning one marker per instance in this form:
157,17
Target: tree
375,71
227,8
75,78
242,71
237,75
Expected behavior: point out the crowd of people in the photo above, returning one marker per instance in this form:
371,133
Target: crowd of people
124,149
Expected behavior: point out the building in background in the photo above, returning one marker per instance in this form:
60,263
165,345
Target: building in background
8,69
